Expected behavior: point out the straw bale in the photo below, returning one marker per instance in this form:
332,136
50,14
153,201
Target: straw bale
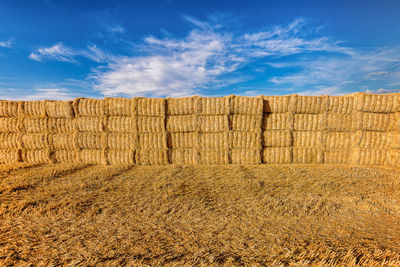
337,156
393,157
394,138
121,124
35,109
185,156
90,124
151,157
273,138
277,121
307,155
34,141
217,123
307,139
247,105
214,141
370,156
183,123
36,156
245,140
10,155
311,104
246,156
382,103
64,156
122,141
10,125
10,140
183,106
367,139
35,125
10,108
91,140
246,122
277,155
89,107
338,140
61,141
118,106
92,156
309,122
214,106
279,104
213,157
124,156
376,122
152,140
340,122
151,124
151,106
59,109
61,125
341,104
183,140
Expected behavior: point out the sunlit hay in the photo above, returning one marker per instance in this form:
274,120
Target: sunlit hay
277,155
247,105
184,139
339,140
213,157
121,124
90,140
308,139
65,156
89,107
92,156
91,124
10,108
36,156
150,106
277,121
217,140
382,103
183,106
152,140
245,156
36,109
307,155
311,104
62,141
337,156
275,138
182,123
151,157
242,122
61,125
370,156
278,104
341,122
59,109
34,141
122,141
245,140
151,124
10,140
214,105
341,104
121,156
309,122
376,122
187,156
118,106
10,155
218,123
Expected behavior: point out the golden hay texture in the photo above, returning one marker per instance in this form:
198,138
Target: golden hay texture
307,155
34,141
213,157
247,105
120,156
91,140
10,140
91,124
340,122
337,155
65,156
385,103
277,121
245,140
150,106
33,125
89,107
245,156
183,106
61,141
274,155
151,124
183,140
118,106
10,108
342,140
92,156
279,104
35,109
185,156
122,141
10,155
36,156
246,122
59,109
341,104
277,138
61,125
311,104
307,139
151,156
152,141
214,105
212,141
120,124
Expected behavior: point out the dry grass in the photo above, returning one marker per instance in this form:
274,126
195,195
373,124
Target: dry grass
199,215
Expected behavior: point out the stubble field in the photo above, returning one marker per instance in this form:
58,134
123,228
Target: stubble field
199,215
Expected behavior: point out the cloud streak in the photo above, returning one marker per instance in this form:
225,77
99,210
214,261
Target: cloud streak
6,44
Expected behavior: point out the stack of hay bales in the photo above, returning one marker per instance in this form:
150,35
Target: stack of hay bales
10,131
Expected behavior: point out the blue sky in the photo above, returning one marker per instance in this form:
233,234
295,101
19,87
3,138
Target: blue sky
64,49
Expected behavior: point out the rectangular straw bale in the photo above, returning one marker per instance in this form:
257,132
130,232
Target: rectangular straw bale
274,138
10,108
183,106
374,140
151,157
64,156
247,105
61,141
35,109
246,156
309,122
370,156
339,140
245,140
61,125
91,124
246,122
307,155
92,156
34,141
118,106
152,141
151,106
277,121
311,104
376,122
91,140
393,157
382,103
122,141
183,140
10,140
214,141
89,107
36,156
341,104
183,123
277,155
214,106
213,157
340,122
10,155
333,156
279,104
121,124
124,156
151,124
394,139
34,125
307,139
188,156
217,123
59,109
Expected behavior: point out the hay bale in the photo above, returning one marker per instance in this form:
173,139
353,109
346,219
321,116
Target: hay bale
10,125
35,109
341,104
183,123
307,155
151,106
10,108
214,106
311,104
214,141
151,157
394,139
382,103
10,155
152,140
247,105
124,156
279,104
89,107
246,122
245,140
91,124
151,124
309,122
10,140
189,156
122,141
183,140
246,156
369,139
59,109
121,124
337,156
61,141
34,141
92,156
34,125
393,157
118,106
273,138
36,156
370,156
61,125
213,157
376,122
277,121
64,156
339,140
91,141
307,139
277,155
340,122
183,106
217,123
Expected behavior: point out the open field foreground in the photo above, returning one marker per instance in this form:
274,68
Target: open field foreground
199,215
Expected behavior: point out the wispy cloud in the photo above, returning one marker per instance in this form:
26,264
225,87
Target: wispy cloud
7,44
43,94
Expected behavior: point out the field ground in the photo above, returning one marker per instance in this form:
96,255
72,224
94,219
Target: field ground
199,215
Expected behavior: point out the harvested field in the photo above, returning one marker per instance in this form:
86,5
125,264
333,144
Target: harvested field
171,215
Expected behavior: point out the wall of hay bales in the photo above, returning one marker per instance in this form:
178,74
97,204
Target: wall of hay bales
352,129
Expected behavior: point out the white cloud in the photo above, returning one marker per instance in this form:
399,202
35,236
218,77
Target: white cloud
43,94
6,44
116,29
